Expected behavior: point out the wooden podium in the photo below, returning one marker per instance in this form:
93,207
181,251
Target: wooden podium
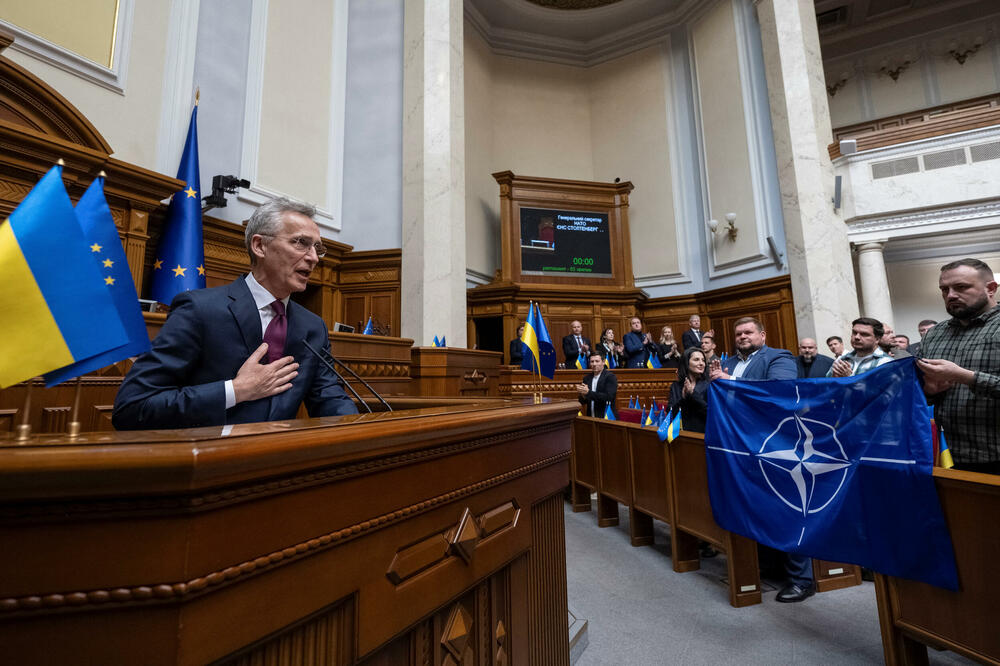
430,535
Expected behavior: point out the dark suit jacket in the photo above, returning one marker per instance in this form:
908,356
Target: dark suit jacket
209,334
817,368
607,389
691,339
636,352
516,351
694,408
571,350
768,363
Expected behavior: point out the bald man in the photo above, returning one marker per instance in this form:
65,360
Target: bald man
810,362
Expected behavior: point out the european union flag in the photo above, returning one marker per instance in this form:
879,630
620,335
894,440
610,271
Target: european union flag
56,307
369,327
653,362
180,258
837,469
670,428
444,341
99,229
540,355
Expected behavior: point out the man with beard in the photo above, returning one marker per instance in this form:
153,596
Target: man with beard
960,362
755,360
810,362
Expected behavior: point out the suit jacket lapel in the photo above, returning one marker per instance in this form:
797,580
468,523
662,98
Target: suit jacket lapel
244,310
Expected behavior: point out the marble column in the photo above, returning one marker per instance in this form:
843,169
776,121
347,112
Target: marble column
433,226
874,281
819,254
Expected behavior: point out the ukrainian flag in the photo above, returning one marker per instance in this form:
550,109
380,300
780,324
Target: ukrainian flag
653,362
670,428
542,356
944,457
55,304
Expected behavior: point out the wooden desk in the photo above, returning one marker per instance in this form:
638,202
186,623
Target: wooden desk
913,615
382,538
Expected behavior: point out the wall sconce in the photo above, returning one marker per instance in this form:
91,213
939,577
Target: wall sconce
961,54
730,228
838,84
894,72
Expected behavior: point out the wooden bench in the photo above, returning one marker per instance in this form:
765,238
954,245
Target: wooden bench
913,615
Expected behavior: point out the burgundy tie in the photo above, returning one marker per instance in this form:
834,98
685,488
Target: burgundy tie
276,331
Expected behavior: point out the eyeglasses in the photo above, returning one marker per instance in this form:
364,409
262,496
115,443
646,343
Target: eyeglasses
303,243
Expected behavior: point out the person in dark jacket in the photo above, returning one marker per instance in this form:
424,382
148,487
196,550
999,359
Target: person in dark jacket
690,392
517,348
667,349
598,389
810,362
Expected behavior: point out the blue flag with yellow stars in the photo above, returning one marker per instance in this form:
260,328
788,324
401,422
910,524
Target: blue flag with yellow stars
106,249
56,309
180,259
837,469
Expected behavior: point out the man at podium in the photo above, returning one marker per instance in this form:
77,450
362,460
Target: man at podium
237,353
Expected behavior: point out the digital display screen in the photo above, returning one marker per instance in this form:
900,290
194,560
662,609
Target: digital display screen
564,242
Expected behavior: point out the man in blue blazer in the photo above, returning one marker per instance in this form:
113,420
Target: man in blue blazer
756,361
638,345
235,353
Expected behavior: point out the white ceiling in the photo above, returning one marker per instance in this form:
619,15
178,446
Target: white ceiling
575,36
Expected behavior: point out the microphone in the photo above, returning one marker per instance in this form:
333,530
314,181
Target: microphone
339,376
352,373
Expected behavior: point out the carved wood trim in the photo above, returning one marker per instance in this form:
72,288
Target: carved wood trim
164,592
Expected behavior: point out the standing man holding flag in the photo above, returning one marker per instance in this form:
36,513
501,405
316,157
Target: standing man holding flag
180,257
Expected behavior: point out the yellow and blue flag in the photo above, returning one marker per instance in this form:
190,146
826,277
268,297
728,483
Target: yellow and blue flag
579,362
944,457
435,342
669,427
540,355
55,304
609,414
180,257
648,418
99,229
369,327
612,361
653,362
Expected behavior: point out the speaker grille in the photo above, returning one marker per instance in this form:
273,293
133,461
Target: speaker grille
943,159
985,151
899,167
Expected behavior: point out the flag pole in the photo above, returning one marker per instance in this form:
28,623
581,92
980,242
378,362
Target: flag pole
73,428
24,428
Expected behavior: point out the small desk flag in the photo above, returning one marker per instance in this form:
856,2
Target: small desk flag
106,250
55,303
369,327
541,356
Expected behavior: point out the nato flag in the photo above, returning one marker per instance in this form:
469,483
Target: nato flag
180,258
837,469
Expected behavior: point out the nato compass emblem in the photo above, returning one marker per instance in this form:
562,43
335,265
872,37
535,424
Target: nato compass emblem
804,463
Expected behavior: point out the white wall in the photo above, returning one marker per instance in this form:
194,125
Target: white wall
129,122
914,290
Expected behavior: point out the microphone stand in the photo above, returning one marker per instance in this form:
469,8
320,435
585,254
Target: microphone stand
339,376
352,373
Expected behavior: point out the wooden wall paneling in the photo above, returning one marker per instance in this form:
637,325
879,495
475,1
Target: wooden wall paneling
547,583
453,371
